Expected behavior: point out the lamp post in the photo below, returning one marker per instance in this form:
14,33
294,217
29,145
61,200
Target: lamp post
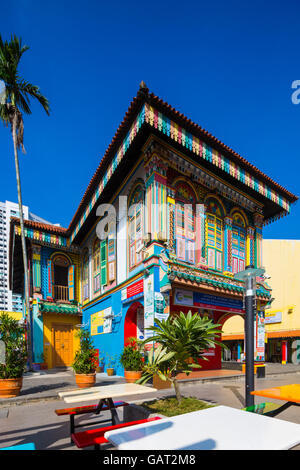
248,276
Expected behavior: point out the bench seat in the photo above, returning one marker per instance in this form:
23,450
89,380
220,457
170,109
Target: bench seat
95,437
266,409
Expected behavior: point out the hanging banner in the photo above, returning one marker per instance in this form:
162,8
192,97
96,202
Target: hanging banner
260,337
148,304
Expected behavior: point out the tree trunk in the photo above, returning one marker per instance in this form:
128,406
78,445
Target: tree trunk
26,285
177,390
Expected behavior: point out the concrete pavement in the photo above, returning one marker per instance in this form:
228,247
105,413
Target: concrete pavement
36,421
45,385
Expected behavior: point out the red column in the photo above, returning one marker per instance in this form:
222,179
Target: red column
284,352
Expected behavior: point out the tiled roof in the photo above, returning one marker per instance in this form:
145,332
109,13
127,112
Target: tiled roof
38,225
143,96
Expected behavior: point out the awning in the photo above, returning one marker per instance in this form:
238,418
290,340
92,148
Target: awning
51,307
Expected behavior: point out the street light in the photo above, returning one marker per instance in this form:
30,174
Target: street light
248,276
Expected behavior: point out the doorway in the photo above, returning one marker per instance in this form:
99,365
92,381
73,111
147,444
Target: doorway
63,345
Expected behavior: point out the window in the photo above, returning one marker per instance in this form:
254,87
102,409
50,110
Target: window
238,243
185,223
214,234
85,275
96,265
135,227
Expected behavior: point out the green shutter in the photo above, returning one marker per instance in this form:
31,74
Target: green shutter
71,282
103,248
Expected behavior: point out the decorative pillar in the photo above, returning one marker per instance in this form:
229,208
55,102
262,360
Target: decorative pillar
228,244
200,231
156,197
171,220
250,249
36,268
258,222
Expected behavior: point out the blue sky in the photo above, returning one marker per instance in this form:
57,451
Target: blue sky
227,65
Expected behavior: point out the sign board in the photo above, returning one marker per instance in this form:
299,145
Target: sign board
207,301
133,291
273,317
183,297
101,322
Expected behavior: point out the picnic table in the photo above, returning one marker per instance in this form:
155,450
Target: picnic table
288,393
105,394
216,428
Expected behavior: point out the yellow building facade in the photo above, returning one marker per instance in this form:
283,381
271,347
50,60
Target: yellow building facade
281,259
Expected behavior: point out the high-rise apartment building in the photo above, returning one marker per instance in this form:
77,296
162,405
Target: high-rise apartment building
9,301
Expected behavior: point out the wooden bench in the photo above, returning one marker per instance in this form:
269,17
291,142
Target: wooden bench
95,437
266,409
81,410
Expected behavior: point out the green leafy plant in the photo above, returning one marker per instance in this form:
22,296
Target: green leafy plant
111,361
131,357
181,341
85,362
12,334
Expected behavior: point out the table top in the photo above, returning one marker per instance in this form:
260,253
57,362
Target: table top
217,428
284,392
105,391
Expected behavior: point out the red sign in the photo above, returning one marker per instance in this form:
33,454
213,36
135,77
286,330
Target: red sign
135,289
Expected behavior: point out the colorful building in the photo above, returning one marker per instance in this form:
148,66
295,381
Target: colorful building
183,213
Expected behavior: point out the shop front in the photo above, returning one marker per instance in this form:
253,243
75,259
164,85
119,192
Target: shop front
216,307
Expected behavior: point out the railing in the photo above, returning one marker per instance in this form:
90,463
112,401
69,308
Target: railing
61,292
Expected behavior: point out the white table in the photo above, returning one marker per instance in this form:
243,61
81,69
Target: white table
217,428
105,394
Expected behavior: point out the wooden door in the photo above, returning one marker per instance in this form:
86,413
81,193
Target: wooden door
63,345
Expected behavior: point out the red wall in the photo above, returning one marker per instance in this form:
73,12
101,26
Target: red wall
213,362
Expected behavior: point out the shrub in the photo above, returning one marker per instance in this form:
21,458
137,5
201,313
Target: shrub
85,362
131,357
12,334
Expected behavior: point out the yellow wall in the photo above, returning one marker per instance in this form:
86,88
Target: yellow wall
281,260
48,337
16,315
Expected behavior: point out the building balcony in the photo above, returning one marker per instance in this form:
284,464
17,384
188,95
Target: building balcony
61,293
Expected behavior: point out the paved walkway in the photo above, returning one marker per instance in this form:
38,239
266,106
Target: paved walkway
45,385
37,422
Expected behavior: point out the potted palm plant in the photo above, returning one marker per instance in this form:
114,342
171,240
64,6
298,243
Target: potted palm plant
84,364
132,360
14,359
110,363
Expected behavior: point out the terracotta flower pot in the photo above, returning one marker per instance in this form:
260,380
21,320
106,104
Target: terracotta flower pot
132,376
110,371
85,380
10,388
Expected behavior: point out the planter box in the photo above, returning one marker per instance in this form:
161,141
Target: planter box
134,412
160,384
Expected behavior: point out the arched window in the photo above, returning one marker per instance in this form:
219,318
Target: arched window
185,223
214,234
96,266
85,275
135,226
238,242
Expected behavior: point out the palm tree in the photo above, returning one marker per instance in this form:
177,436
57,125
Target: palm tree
15,99
182,340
